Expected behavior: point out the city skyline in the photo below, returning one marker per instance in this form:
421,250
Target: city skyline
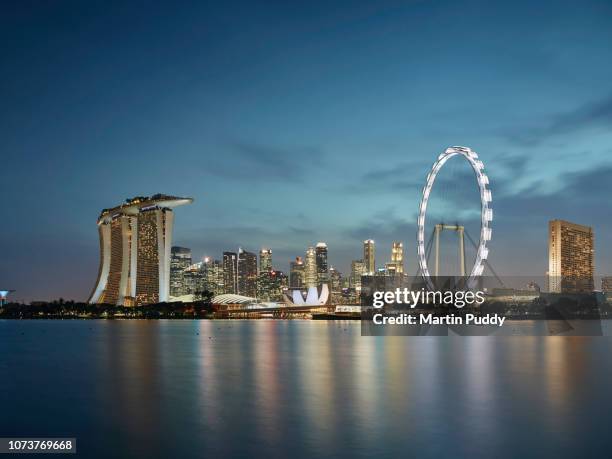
291,126
571,270
191,277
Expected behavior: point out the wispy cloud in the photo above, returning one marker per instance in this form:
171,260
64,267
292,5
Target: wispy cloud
583,196
250,161
592,115
391,179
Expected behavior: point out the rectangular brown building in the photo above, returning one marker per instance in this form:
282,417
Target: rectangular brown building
571,257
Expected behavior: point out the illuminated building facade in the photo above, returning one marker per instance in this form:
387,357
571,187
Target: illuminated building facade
335,280
265,279
358,269
310,268
277,286
571,257
213,273
335,285
369,256
180,260
135,241
296,273
230,272
265,260
321,261
247,273
397,259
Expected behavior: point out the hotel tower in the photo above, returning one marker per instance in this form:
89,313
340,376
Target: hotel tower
571,257
135,242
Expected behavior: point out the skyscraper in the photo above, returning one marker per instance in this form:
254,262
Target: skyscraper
571,257
296,273
135,241
194,279
335,280
321,260
396,266
213,274
310,268
265,260
230,272
369,256
358,269
276,286
265,279
335,285
247,273
180,260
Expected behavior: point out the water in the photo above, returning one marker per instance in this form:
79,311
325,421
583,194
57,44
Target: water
277,389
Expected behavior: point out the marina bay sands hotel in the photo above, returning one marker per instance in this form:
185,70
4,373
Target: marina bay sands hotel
135,242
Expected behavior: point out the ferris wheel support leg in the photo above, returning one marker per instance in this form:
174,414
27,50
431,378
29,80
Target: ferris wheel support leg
461,252
437,230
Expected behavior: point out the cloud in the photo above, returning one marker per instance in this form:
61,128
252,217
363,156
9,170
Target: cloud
583,197
400,177
385,227
254,162
596,114
513,164
304,232
458,184
387,173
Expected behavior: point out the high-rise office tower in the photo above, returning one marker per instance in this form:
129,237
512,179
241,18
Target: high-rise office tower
321,260
230,272
277,285
213,274
396,265
180,260
335,280
358,269
310,268
335,286
247,273
369,256
265,260
194,279
397,256
296,273
571,257
135,241
265,279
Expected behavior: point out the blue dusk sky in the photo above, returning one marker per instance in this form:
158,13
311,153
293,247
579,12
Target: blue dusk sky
292,123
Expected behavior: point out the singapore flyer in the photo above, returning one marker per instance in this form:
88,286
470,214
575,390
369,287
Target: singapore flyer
486,214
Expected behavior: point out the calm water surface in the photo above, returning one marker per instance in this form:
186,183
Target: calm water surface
302,389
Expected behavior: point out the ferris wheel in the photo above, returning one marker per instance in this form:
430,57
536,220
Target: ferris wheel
486,217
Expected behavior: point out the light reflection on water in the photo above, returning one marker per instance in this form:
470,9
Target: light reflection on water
301,389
